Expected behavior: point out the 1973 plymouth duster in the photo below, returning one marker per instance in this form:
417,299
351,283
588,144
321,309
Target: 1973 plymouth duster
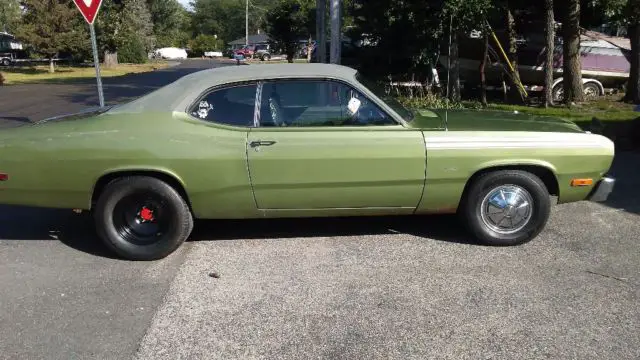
296,140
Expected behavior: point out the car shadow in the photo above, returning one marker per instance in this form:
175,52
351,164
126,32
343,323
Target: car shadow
77,230
445,228
626,192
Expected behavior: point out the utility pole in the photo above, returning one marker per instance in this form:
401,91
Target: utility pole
336,36
321,31
246,25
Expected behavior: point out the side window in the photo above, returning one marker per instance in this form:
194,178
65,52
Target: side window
305,103
231,106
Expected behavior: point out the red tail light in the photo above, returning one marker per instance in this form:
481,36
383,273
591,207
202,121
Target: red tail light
4,177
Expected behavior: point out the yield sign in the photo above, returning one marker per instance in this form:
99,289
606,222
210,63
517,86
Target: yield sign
88,8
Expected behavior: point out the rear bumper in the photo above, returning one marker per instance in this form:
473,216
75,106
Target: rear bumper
602,189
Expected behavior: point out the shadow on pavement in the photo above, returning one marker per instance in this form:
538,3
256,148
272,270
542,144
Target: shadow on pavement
77,231
626,193
437,227
14,118
73,230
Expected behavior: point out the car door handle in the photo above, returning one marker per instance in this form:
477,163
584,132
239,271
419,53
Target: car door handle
256,143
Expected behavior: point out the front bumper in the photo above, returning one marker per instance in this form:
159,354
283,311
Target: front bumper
602,189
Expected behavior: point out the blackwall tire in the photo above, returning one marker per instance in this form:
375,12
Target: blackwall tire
506,207
142,218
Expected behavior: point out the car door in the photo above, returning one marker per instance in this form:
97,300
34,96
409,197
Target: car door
321,144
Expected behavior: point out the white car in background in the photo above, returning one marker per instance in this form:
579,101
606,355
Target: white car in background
170,53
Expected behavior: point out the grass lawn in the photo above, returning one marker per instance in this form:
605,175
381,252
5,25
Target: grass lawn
608,108
39,74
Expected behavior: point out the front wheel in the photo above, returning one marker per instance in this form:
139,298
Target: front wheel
508,207
142,218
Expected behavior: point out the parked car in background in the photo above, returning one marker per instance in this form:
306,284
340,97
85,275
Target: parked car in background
246,51
212,54
296,140
170,53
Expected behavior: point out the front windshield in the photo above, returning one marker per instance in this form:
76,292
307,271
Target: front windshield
406,114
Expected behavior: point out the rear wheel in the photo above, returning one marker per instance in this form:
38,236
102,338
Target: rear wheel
142,218
507,207
6,62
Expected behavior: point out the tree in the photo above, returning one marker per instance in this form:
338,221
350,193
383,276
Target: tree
549,35
170,22
9,15
226,18
51,26
462,16
125,25
572,67
633,86
290,21
202,43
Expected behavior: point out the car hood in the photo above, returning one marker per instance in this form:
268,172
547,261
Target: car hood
483,120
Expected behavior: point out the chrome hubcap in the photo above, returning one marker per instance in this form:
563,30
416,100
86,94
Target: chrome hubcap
506,209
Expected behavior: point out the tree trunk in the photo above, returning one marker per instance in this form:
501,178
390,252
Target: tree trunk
550,44
633,86
572,66
52,67
454,85
483,78
110,58
516,93
309,50
290,54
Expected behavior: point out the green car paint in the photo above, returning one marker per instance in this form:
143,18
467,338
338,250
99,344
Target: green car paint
420,165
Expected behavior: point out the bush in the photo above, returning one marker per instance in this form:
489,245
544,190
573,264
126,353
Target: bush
202,43
1,79
132,51
431,101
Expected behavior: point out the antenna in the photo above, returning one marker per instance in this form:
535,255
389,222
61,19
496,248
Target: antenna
446,111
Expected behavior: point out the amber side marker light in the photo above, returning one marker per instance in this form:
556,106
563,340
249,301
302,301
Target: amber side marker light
4,177
581,182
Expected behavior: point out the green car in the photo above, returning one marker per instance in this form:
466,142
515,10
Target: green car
296,140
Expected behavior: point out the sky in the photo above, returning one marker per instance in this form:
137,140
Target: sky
185,3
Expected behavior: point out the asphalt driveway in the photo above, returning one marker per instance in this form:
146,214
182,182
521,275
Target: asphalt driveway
31,102
403,288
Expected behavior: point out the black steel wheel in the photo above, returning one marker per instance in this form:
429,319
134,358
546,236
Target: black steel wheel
142,218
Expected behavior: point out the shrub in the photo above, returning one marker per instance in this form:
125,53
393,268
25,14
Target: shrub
132,52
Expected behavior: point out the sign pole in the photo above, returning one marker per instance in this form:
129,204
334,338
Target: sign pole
96,63
89,10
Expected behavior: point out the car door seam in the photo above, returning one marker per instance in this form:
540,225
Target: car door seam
424,180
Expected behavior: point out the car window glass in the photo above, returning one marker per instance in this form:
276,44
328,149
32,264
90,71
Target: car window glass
304,103
232,106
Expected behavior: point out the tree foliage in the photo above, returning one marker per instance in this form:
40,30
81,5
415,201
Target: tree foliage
289,22
226,18
125,24
170,23
50,27
9,15
202,43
